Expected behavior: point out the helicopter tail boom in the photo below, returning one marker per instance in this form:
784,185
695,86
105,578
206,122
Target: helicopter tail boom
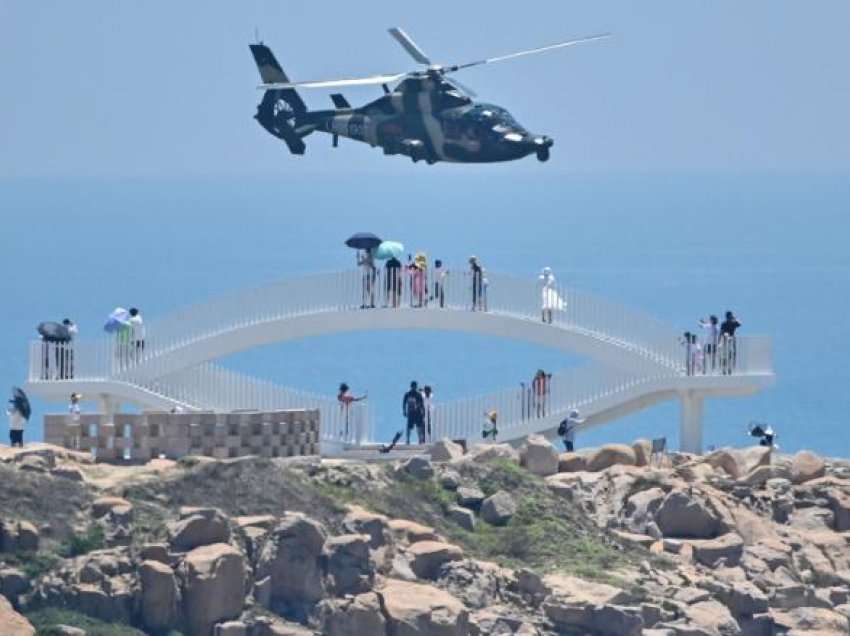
281,109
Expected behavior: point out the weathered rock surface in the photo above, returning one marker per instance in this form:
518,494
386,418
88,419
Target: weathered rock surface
349,567
197,527
806,466
498,508
418,467
291,557
159,595
413,609
214,586
610,455
445,450
353,616
684,516
463,517
571,463
428,556
538,456
12,623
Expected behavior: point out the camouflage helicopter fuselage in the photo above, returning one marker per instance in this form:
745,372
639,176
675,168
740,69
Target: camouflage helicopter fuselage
424,117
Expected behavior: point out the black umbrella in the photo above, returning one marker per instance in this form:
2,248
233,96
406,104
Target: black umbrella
54,332
364,241
21,402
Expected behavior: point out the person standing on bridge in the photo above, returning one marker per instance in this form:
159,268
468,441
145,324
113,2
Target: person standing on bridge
730,346
428,401
366,261
540,391
550,299
567,429
345,398
137,334
413,408
711,336
394,282
477,283
439,276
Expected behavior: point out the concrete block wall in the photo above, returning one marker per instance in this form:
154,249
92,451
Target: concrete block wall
140,437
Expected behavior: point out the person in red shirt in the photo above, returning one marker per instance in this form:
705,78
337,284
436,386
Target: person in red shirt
345,398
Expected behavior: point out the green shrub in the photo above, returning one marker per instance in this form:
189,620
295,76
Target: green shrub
47,620
78,544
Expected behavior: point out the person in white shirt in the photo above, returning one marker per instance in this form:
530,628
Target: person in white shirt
550,299
137,333
428,398
17,421
711,331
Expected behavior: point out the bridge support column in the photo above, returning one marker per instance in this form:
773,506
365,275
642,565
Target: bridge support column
690,423
109,406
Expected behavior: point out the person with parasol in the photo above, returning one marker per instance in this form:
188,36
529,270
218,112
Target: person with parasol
391,252
366,243
19,412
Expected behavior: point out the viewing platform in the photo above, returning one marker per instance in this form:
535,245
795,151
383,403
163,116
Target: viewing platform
635,361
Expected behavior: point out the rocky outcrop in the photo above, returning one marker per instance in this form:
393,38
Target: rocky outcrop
291,556
464,517
353,616
683,515
571,463
428,556
611,455
418,467
806,466
413,609
12,623
160,597
498,508
348,564
197,527
482,453
538,456
445,450
213,586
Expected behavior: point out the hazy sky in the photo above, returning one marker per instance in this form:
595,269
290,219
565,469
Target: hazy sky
126,88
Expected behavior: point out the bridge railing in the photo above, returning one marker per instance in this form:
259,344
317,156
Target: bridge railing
212,387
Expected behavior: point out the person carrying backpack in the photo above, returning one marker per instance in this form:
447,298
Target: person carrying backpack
490,428
413,408
567,429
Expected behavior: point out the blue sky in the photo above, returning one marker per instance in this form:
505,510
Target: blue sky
129,89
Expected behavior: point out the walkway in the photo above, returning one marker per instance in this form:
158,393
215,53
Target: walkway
636,361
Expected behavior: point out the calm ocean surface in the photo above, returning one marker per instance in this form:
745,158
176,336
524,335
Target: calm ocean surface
772,248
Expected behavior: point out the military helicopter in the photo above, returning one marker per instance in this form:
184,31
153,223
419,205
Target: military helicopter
428,116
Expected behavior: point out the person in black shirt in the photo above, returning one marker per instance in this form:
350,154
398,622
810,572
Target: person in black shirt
413,408
727,336
477,283
393,269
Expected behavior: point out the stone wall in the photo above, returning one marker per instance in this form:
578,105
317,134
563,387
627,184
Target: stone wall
140,437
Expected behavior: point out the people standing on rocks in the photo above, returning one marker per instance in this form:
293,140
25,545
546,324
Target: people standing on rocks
17,422
345,399
413,408
137,334
490,429
711,336
567,429
394,282
366,262
727,340
477,274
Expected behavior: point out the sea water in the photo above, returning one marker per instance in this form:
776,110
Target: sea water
772,248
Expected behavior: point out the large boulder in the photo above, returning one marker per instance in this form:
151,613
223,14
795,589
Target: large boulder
427,557
738,463
611,455
445,450
362,521
712,617
487,452
418,467
291,556
214,586
12,623
407,531
806,466
640,509
349,568
413,609
463,517
159,596
684,516
117,509
353,616
469,497
643,452
571,463
709,552
197,527
498,508
578,606
538,456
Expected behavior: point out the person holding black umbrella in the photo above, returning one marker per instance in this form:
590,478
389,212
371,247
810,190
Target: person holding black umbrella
19,412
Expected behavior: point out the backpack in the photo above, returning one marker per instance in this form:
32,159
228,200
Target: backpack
562,428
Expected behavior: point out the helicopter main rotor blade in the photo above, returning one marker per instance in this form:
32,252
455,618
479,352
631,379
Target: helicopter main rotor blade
333,83
410,46
510,56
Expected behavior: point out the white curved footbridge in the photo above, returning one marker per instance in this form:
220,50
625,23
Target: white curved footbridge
636,361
